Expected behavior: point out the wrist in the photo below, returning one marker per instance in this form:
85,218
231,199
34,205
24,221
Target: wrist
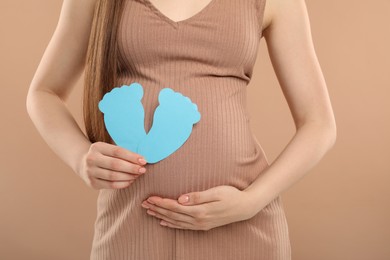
254,202
78,160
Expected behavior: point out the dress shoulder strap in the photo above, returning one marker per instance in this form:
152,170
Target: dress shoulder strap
260,7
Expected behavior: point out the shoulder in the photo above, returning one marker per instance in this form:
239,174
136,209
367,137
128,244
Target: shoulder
77,6
76,17
280,9
267,17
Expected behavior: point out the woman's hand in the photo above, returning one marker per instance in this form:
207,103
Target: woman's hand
108,166
204,210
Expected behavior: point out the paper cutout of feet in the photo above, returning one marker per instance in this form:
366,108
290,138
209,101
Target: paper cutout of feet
172,125
172,121
124,115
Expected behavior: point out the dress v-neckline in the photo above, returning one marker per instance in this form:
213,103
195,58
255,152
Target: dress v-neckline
176,24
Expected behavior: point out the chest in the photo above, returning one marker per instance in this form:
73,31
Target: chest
219,31
179,10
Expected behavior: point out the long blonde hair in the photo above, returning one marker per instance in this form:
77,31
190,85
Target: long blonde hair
102,67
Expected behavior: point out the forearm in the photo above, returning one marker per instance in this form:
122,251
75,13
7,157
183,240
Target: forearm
303,152
57,126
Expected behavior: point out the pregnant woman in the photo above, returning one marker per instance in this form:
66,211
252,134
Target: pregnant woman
216,196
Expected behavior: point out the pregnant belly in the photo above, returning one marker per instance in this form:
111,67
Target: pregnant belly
211,156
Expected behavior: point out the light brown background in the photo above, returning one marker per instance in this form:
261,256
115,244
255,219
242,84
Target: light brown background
339,211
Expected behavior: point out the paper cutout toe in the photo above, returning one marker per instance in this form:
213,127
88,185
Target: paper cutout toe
173,121
172,125
124,115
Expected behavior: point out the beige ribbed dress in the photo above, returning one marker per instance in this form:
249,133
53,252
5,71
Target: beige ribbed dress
209,58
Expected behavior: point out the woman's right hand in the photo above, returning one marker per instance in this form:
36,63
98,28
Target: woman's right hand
108,166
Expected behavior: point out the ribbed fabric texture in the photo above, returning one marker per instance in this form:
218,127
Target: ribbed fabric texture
208,57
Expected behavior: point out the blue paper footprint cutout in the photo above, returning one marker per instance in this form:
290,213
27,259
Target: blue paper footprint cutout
172,125
172,121
124,115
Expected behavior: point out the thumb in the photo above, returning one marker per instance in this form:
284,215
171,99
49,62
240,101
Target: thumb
198,197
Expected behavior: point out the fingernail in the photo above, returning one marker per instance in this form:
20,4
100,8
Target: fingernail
184,199
142,161
142,170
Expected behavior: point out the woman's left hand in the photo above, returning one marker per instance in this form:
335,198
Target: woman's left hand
204,210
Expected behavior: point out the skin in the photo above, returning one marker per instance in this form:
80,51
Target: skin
286,29
100,165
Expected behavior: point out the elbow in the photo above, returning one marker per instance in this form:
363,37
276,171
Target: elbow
333,135
326,130
31,100
329,135
331,132
28,101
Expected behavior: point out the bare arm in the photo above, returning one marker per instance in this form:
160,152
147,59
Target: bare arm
59,69
288,36
295,63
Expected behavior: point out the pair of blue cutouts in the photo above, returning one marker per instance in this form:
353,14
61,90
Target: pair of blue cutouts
173,121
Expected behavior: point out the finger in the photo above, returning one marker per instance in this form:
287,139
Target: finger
115,164
111,184
199,197
121,153
168,224
113,175
172,205
174,223
171,214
